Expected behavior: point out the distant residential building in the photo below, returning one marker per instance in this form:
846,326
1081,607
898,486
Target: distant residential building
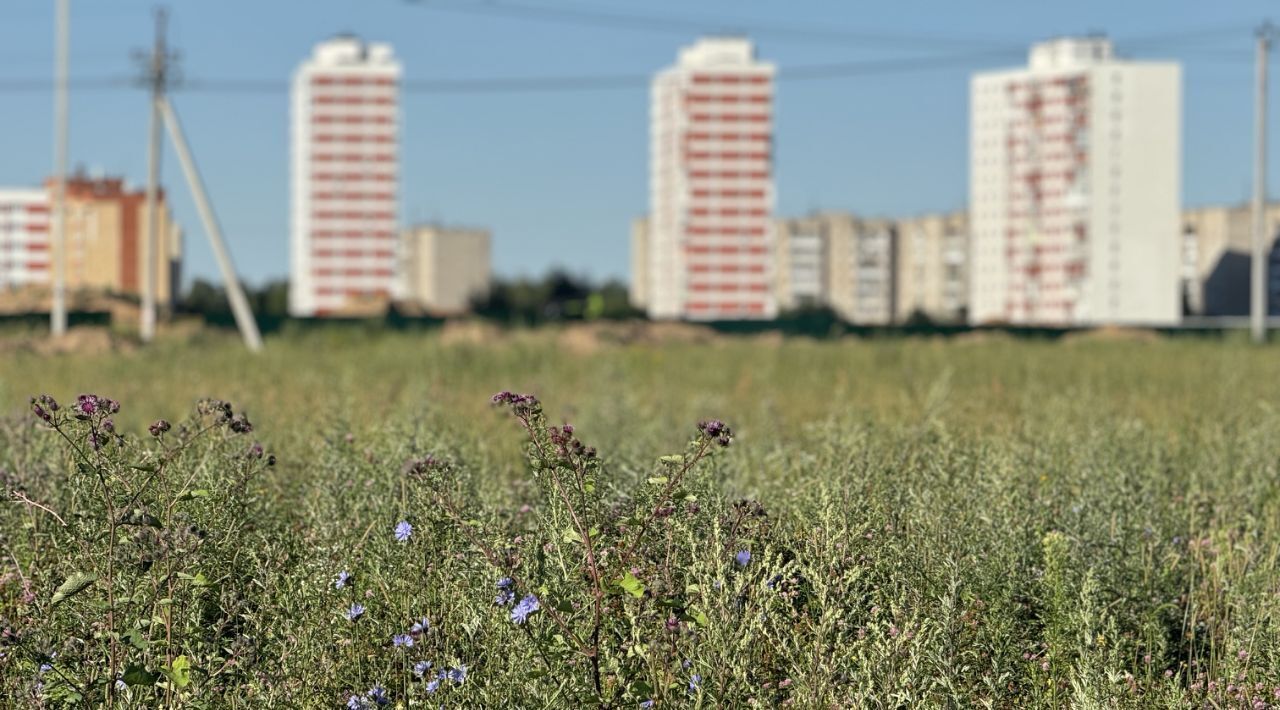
1075,175
344,167
800,263
1216,251
106,223
932,260
841,261
638,289
710,234
445,268
26,255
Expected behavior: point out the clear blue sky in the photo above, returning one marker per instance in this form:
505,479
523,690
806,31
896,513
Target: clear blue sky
559,175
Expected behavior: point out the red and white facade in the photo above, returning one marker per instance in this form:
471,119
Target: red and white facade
345,176
709,247
26,255
1075,189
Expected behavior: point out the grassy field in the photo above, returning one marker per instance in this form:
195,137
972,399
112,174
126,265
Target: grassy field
980,522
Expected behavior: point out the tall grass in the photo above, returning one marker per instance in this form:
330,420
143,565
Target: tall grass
928,523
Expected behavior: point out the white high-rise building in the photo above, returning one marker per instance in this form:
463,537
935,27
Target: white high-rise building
710,239
26,251
1075,180
345,157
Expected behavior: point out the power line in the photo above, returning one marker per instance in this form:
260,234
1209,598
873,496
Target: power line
592,17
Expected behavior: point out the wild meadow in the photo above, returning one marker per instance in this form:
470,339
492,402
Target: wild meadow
367,519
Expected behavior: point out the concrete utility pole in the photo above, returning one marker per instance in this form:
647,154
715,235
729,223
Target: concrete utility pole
239,304
1258,272
62,39
157,78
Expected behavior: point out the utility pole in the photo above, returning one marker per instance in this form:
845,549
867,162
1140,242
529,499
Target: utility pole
239,304
157,76
1258,272
62,40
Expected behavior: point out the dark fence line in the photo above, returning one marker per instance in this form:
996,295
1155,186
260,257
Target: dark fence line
818,326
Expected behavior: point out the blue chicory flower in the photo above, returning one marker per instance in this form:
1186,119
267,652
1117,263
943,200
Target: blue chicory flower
403,530
402,641
421,667
694,682
527,606
355,612
342,579
743,557
433,685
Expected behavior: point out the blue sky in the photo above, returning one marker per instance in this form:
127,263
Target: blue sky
559,175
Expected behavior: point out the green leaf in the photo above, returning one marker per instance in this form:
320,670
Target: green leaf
148,467
571,535
197,493
137,639
657,480
631,585
672,459
75,584
137,675
179,672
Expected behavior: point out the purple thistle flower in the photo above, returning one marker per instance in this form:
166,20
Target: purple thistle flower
527,606
420,669
403,530
158,427
355,612
343,577
743,557
402,641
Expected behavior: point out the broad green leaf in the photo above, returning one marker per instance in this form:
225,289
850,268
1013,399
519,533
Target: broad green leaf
75,584
137,639
631,585
179,672
137,675
673,459
571,535
657,480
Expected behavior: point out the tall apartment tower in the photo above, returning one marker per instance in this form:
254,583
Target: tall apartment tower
26,253
709,241
1075,177
344,163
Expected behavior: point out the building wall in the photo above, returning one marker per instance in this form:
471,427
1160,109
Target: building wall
344,164
710,236
105,225
638,288
1074,189
800,263
931,267
25,256
445,267
1217,244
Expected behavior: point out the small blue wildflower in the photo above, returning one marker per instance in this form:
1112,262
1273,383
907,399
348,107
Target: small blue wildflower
743,557
355,702
355,612
341,581
403,530
420,627
527,606
433,685
45,667
457,675
773,581
402,640
695,681
378,694
686,663
121,685
506,595
646,704
421,667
